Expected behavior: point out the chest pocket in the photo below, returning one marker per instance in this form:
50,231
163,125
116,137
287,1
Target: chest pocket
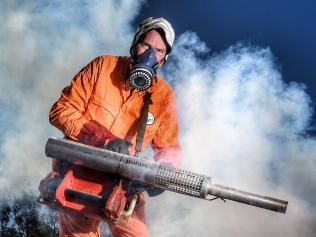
101,111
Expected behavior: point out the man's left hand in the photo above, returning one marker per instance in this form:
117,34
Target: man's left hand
119,145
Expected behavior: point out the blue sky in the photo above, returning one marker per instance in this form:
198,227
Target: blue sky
286,27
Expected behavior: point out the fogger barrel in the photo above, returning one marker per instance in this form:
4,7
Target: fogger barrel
168,178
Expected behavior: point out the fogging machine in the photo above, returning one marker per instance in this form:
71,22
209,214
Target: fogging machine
93,187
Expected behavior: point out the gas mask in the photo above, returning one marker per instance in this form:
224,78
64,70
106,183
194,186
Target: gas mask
144,71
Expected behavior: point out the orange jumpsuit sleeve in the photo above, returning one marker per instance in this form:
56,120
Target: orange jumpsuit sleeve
165,143
67,113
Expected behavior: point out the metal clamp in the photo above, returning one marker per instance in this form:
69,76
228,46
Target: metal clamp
131,207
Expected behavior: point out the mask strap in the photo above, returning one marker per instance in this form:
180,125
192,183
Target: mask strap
155,67
142,123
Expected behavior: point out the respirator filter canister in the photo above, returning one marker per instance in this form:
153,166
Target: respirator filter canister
144,71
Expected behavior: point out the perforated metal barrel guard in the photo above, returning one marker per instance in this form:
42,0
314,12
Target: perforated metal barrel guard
181,181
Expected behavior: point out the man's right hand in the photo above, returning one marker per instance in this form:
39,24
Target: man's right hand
95,134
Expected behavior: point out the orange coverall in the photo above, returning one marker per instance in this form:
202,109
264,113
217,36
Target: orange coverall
101,92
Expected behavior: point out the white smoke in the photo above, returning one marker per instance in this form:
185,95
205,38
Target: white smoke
245,127
43,44
241,123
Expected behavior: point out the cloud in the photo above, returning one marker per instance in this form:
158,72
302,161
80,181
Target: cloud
245,127
43,44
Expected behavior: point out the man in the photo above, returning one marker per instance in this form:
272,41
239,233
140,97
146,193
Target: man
102,108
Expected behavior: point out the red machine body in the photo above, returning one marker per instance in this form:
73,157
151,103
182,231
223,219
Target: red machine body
88,192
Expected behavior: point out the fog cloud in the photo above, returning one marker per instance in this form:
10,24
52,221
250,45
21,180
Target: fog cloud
245,127
43,44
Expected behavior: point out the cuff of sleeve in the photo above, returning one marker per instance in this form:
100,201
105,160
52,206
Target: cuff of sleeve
170,155
72,130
